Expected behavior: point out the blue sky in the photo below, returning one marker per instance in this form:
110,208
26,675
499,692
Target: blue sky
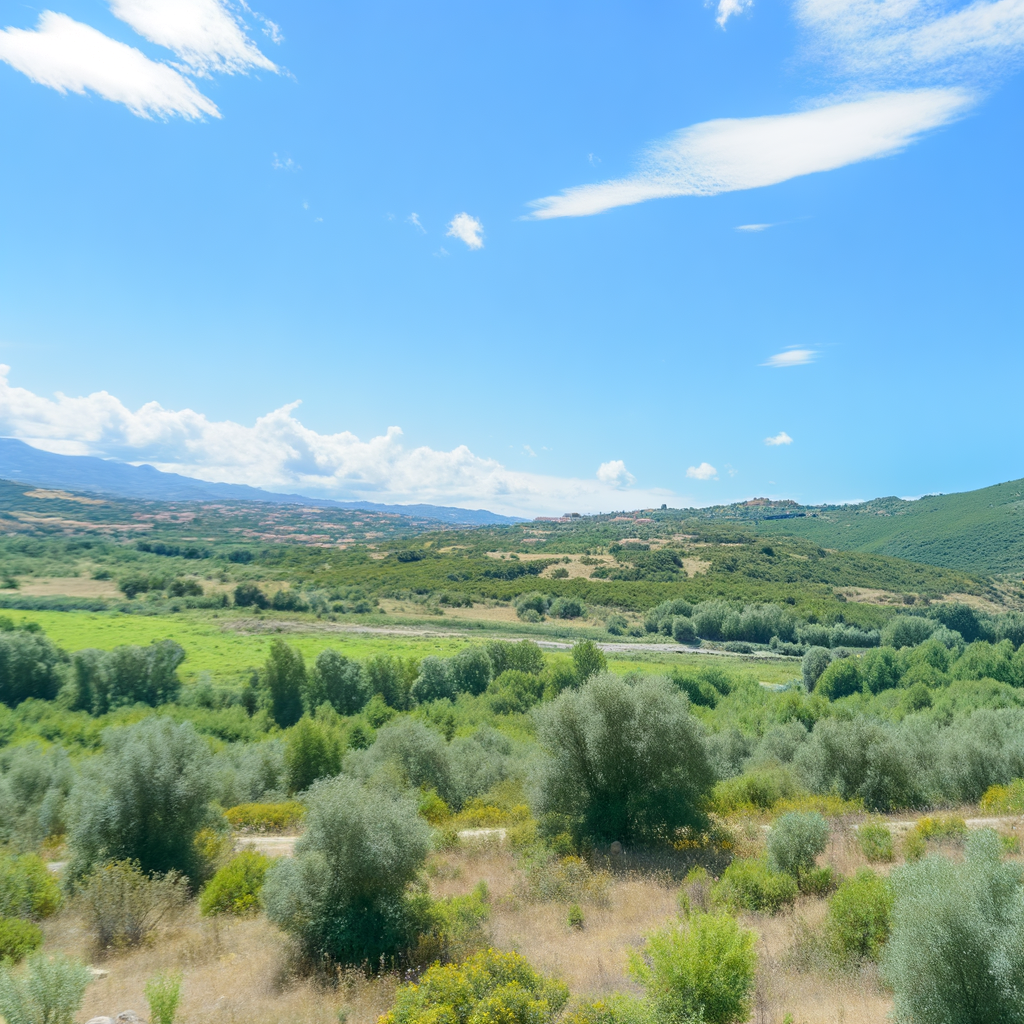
584,256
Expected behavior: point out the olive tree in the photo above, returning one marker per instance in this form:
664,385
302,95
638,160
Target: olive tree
625,761
284,677
955,954
145,800
338,681
343,895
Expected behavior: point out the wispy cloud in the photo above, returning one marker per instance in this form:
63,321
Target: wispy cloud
279,453
615,472
791,357
754,227
705,471
468,229
732,154
287,164
901,39
68,56
414,219
780,438
205,34
727,8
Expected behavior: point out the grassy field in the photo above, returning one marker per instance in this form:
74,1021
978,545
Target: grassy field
227,645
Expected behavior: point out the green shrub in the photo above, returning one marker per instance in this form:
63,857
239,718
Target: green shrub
567,608
626,761
343,895
588,660
284,681
941,828
18,938
147,799
575,917
875,841
123,906
757,790
27,887
617,1008
28,667
163,993
616,624
515,691
956,949
50,991
702,970
449,929
683,631
1007,799
235,888
796,841
489,987
814,663
313,752
752,885
817,882
278,817
860,916
840,679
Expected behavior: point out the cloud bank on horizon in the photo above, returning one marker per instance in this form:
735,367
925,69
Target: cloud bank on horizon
904,68
279,453
205,35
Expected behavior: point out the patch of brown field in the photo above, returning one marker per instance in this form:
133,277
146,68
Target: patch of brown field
233,971
69,586
982,604
481,613
576,569
40,492
523,556
865,595
695,566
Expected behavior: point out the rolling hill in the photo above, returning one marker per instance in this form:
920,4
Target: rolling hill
975,531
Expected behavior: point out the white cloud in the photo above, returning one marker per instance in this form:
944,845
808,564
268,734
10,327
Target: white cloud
754,227
414,219
205,34
287,164
705,471
900,38
727,8
279,453
615,472
791,357
68,56
731,154
468,229
780,438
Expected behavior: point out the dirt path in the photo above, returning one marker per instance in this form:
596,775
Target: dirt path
610,647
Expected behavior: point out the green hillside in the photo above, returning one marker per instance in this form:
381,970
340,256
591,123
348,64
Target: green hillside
976,531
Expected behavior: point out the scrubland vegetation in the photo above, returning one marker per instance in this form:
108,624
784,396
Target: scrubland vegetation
757,782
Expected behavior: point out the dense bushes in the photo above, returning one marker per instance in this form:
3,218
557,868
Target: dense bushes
18,938
28,667
752,885
145,799
343,895
860,916
50,991
236,887
625,761
796,841
702,969
266,817
27,887
103,681
956,952
490,986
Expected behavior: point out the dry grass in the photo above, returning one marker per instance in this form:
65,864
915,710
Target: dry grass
233,973
236,970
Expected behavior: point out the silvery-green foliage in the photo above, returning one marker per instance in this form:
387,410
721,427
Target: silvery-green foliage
49,991
343,894
956,951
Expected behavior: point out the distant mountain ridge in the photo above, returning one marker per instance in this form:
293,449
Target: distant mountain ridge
23,463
